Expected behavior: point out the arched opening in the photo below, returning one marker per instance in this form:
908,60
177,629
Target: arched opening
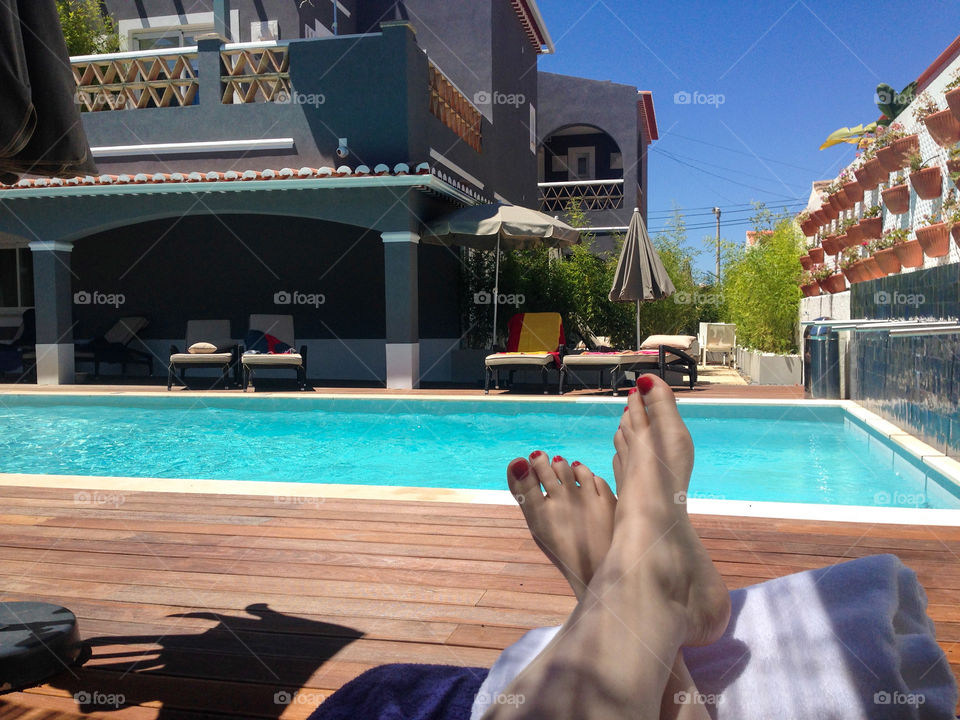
582,163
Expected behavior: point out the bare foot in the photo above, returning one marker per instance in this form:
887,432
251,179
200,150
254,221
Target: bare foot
652,470
570,518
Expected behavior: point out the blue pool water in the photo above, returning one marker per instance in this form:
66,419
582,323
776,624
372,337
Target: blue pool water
782,453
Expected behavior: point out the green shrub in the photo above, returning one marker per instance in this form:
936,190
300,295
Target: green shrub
761,290
87,28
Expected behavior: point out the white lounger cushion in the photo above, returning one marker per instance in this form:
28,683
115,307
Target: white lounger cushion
687,343
505,359
201,358
283,359
611,359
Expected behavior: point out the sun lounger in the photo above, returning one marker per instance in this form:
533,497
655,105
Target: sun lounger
269,347
114,347
717,338
658,354
535,342
208,345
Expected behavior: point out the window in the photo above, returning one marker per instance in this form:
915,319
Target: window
169,38
16,278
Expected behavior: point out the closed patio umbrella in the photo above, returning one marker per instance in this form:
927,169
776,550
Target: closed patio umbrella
40,128
640,274
498,226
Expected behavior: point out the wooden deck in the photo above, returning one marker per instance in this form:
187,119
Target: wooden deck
203,606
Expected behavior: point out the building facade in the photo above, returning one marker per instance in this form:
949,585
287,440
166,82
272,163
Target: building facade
262,156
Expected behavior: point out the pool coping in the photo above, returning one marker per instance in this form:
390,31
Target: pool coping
293,493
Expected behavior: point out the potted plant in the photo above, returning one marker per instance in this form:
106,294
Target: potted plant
806,262
953,163
897,196
850,188
816,253
831,244
951,213
908,251
870,265
926,181
849,260
934,235
952,95
807,224
883,250
894,147
808,284
827,278
943,127
849,232
871,224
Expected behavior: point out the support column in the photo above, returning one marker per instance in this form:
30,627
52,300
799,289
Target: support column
53,305
402,294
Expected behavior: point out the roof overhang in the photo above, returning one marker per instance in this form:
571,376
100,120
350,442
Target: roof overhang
534,25
648,116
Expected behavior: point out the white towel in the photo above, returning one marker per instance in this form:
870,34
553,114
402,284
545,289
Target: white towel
846,642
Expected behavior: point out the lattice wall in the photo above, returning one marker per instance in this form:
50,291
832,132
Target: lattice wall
256,75
129,83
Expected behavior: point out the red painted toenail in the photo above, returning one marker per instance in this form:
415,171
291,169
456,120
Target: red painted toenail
576,463
645,384
536,454
626,407
558,458
631,391
519,468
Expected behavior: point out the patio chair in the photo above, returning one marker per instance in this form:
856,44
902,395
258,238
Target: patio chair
269,337
535,342
717,338
114,347
658,353
208,345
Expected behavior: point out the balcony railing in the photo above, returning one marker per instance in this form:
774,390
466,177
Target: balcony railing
255,73
125,81
592,195
454,109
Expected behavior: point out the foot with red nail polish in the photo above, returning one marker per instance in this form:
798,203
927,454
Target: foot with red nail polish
569,511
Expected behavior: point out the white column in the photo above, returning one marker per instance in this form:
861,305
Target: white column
402,295
53,303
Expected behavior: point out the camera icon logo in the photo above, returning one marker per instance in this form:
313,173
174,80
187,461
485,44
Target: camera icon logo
82,297
482,298
881,297
82,697
481,97
282,697
681,97
282,298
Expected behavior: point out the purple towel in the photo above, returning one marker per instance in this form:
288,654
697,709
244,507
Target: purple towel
405,692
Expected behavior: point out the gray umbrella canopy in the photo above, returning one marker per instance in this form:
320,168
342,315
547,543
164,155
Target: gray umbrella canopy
640,275
497,226
40,128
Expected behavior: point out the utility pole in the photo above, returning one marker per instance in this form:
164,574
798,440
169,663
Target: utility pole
716,211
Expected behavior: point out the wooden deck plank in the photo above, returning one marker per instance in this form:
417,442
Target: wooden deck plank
223,601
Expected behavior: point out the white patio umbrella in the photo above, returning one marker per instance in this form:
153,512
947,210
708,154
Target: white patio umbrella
498,226
640,274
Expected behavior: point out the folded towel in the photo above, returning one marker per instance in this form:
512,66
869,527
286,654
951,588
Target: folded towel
850,641
405,692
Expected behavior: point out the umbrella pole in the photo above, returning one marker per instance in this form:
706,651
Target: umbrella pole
638,324
496,293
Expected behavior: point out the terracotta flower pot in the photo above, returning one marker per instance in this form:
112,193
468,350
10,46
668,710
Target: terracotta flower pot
927,182
888,162
871,228
830,212
806,262
811,290
953,166
934,239
865,176
873,268
888,261
853,191
809,227
837,202
831,244
910,254
853,236
903,148
849,274
943,127
816,254
953,102
897,199
877,173
856,272
955,233
834,284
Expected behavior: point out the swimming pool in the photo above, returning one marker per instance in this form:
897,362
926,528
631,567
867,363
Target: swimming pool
786,453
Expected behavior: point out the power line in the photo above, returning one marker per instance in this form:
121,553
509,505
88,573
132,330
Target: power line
721,177
664,216
742,152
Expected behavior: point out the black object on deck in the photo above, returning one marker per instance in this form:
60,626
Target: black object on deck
37,641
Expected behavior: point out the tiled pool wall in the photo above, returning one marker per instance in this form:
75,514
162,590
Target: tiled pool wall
913,381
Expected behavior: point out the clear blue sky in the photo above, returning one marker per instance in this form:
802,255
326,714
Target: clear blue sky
790,72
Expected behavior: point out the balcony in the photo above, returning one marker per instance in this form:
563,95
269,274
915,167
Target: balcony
592,195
